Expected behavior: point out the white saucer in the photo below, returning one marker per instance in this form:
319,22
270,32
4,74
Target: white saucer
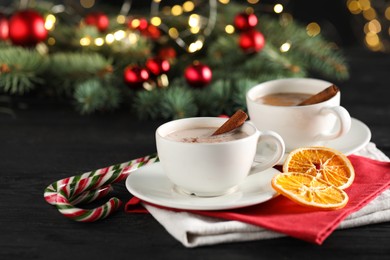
150,184
358,136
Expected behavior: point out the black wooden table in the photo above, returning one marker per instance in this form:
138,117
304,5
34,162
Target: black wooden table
48,141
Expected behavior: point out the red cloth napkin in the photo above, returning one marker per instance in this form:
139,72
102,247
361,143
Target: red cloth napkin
284,216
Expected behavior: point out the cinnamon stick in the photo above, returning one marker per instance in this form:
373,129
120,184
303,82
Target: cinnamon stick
232,123
326,94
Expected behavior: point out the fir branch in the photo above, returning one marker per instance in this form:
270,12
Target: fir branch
177,102
306,53
326,62
172,103
20,69
309,53
215,99
112,97
230,62
241,88
147,104
281,65
87,96
79,65
267,64
93,95
65,38
73,68
223,53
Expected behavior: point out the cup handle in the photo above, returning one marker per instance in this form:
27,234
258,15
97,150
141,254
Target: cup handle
344,119
278,150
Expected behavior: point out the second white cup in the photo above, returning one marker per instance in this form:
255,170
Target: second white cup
299,126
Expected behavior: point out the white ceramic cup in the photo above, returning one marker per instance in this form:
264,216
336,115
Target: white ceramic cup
299,126
213,169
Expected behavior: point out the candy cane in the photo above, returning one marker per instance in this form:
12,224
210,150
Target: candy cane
87,187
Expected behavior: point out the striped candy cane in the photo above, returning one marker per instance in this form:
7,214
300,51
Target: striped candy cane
87,187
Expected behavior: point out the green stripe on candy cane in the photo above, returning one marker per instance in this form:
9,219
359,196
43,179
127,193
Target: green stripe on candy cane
65,194
91,195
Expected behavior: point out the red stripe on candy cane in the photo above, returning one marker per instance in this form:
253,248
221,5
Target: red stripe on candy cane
68,192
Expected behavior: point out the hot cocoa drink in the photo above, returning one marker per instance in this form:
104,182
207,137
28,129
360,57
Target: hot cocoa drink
305,112
205,165
283,99
204,135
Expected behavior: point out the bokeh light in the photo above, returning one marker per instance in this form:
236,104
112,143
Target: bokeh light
278,8
313,29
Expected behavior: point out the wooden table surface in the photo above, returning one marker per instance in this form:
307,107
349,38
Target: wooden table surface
47,141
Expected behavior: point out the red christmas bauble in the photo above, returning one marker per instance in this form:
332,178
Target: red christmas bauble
251,41
134,76
167,53
144,27
27,28
244,21
157,66
4,28
98,19
141,24
152,32
198,75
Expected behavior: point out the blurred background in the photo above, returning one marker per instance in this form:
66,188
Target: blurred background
172,59
346,22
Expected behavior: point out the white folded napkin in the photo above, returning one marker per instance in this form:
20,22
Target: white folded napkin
194,230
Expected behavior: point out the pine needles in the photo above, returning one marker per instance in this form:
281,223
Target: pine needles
92,95
20,69
93,76
174,102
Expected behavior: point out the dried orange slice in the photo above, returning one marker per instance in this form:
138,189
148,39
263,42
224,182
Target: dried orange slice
323,163
309,191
